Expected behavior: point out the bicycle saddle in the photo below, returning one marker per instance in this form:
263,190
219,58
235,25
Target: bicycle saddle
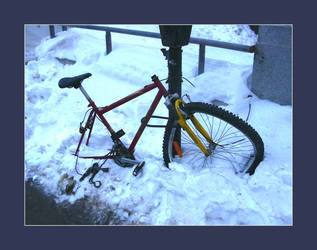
69,82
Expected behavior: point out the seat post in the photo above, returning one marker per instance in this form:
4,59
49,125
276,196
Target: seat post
85,93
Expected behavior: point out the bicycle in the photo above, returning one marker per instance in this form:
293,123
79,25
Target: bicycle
209,133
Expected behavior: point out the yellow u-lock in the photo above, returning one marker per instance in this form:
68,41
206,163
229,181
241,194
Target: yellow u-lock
183,124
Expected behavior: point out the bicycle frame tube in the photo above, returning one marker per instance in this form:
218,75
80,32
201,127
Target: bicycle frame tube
128,98
146,120
100,111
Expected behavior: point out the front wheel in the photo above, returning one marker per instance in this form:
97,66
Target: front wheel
233,142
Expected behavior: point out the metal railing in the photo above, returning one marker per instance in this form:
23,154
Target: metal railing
202,42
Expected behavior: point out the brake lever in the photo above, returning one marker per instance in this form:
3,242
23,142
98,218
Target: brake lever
94,170
88,172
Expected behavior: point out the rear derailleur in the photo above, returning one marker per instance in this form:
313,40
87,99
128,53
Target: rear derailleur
94,170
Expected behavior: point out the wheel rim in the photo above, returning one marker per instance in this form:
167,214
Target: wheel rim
170,144
231,147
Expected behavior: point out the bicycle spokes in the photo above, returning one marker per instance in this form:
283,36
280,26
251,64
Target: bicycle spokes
228,144
229,141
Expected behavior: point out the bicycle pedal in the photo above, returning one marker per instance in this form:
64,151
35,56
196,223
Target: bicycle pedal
117,135
138,168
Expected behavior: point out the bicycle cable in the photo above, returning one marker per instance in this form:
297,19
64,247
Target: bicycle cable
76,166
163,79
183,78
249,96
109,154
76,163
189,81
99,119
187,96
85,116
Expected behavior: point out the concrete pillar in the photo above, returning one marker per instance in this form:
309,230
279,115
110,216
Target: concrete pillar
272,68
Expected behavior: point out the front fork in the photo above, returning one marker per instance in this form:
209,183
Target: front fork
182,122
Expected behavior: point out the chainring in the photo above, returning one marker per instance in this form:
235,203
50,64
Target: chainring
119,151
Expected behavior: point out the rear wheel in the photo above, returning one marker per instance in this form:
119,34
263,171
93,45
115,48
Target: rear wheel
234,142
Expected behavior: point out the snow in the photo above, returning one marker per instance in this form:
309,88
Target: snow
158,196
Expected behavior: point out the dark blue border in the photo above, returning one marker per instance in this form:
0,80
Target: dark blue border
185,12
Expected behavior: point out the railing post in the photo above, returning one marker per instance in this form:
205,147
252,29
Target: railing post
201,60
272,68
64,27
52,31
108,42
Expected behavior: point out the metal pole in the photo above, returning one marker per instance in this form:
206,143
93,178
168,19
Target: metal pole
85,94
52,31
108,42
175,71
175,79
201,61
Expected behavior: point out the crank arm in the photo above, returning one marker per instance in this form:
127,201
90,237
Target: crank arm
138,168
129,161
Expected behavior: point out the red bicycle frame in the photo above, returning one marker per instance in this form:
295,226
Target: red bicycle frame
101,111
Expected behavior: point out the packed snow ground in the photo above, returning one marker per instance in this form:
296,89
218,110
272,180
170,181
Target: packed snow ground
182,195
